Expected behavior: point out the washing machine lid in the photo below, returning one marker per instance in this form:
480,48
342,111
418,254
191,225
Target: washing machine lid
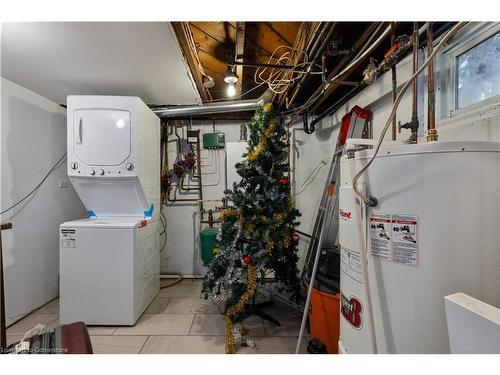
102,137
106,223
113,197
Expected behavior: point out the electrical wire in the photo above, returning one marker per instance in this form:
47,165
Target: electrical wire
370,201
175,282
54,167
279,79
315,171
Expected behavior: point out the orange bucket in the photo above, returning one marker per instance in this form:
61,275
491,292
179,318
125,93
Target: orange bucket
324,318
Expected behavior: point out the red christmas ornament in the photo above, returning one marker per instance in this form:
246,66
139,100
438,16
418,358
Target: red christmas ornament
295,237
247,259
283,180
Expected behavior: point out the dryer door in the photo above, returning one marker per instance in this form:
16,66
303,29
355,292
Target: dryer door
101,136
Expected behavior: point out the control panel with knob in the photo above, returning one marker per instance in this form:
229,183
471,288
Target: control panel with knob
101,172
92,172
129,166
74,165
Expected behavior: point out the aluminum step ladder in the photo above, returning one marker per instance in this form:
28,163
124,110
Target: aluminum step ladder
355,124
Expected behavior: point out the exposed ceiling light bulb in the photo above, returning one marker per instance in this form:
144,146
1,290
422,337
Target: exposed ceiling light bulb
230,77
231,90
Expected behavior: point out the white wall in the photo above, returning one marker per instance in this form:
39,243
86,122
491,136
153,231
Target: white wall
481,123
182,251
473,325
33,138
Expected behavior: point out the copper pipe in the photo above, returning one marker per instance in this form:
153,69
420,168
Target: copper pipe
394,81
415,67
431,101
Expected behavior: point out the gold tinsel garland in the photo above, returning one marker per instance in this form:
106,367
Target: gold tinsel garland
279,218
227,213
238,308
254,154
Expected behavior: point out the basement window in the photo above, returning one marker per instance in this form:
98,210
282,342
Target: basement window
478,73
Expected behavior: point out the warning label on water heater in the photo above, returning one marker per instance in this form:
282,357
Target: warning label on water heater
404,239
380,235
394,237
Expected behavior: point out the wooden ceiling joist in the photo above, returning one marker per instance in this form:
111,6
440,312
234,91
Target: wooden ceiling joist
239,55
217,44
181,30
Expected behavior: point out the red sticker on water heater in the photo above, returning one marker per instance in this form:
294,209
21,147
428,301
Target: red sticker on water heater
352,310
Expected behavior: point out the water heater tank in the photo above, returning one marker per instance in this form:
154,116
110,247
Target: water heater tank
435,231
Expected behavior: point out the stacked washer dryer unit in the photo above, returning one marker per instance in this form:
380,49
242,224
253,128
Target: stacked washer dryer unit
109,262
434,232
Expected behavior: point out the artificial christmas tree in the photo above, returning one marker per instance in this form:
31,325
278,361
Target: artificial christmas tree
257,235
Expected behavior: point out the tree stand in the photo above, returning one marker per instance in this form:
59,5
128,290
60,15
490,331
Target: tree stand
256,309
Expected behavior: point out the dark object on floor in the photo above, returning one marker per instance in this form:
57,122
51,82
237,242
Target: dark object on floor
75,338
67,339
256,309
315,346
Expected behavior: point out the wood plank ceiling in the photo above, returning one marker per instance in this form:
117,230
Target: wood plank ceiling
210,46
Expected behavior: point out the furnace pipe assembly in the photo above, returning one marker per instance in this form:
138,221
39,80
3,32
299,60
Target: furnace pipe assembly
371,201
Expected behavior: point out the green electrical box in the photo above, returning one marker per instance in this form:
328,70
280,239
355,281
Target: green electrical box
214,140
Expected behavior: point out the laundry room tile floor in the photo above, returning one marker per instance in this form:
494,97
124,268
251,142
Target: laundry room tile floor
178,321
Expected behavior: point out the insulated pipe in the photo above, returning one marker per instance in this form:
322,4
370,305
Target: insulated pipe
207,109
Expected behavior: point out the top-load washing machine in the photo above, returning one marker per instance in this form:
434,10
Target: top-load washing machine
109,262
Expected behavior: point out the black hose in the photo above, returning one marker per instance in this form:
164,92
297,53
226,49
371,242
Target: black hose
307,129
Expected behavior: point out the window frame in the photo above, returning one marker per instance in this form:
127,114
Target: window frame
474,35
